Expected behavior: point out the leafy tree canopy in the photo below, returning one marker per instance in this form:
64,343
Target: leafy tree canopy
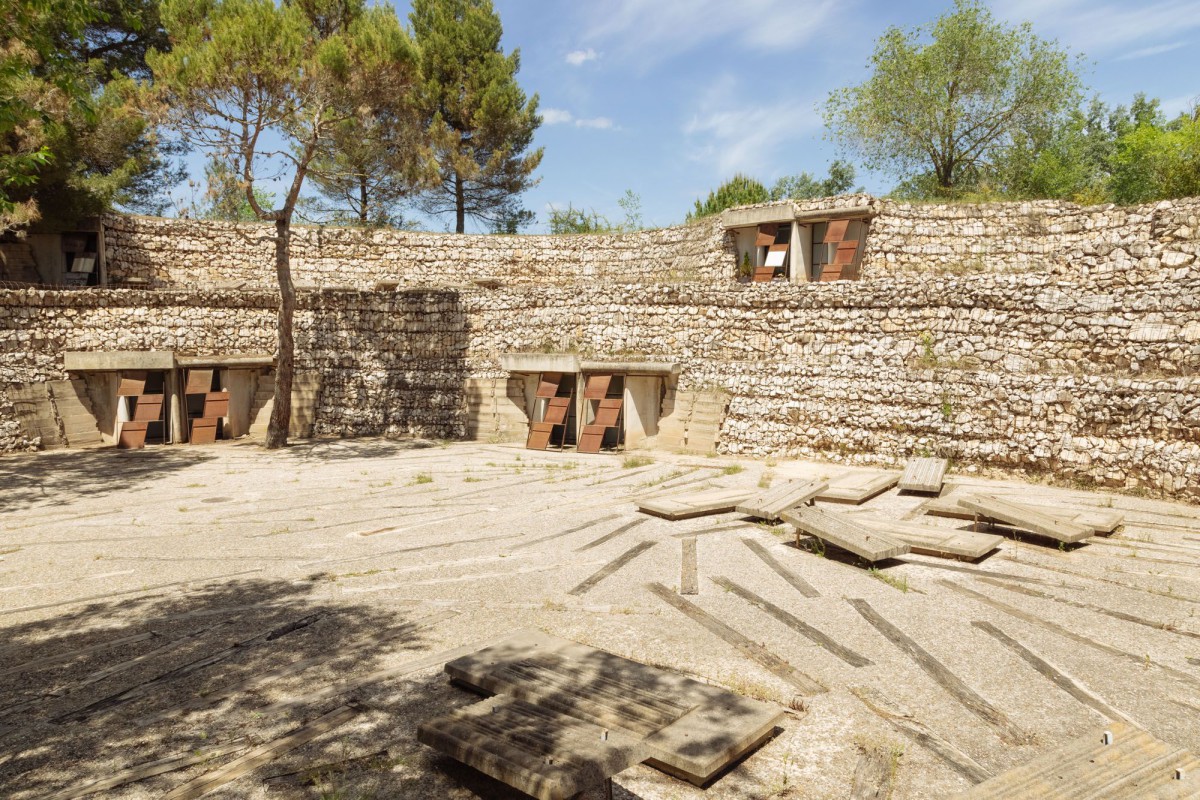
740,190
804,186
946,100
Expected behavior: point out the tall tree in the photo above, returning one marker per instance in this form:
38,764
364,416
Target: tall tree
947,99
480,122
101,147
740,190
263,87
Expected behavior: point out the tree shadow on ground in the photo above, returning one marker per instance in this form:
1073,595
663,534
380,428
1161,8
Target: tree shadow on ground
116,684
48,479
328,450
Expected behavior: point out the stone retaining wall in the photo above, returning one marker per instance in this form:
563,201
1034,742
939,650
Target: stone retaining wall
1094,377
903,239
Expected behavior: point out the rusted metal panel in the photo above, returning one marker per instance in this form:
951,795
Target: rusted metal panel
766,235
836,231
133,435
763,274
539,436
591,439
846,252
216,404
597,386
548,385
149,408
556,410
831,272
132,384
204,431
199,381
608,413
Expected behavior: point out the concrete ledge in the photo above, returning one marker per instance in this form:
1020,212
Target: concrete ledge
540,362
632,367
115,360
231,361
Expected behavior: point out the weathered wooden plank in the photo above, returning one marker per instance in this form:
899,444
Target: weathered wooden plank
689,582
985,572
770,504
768,660
873,775
968,697
211,781
1056,675
924,475
932,540
695,729
313,775
146,687
1101,521
1116,760
918,732
1108,612
1067,633
1025,517
59,658
567,532
149,769
799,626
626,528
798,583
841,530
858,487
693,504
608,569
547,755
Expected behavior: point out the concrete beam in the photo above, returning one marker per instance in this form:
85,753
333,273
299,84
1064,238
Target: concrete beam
632,367
748,217
540,362
116,360
231,361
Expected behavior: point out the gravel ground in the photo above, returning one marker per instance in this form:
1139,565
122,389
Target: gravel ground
152,600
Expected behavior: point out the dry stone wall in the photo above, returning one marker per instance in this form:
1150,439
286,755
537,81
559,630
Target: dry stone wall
1095,379
1082,357
184,253
1038,236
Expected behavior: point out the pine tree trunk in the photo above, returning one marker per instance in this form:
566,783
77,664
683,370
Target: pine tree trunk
281,412
363,215
460,203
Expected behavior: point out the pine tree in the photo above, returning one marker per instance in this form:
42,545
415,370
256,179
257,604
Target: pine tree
480,122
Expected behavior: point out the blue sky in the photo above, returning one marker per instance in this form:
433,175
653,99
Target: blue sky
670,97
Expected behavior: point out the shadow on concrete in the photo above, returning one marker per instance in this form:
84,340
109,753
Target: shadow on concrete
86,694
62,476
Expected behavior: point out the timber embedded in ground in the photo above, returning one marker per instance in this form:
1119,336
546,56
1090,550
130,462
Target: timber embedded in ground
693,504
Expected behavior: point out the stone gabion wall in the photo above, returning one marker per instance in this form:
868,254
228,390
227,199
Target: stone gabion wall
904,239
1039,236
183,253
1094,377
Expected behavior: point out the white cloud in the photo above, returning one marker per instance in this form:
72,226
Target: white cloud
558,116
1172,107
1104,27
1146,52
600,123
649,30
578,57
734,132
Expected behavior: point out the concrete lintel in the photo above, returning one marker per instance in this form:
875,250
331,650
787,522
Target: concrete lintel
749,217
632,367
117,360
822,214
230,361
540,362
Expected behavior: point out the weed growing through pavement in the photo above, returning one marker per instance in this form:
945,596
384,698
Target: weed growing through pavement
732,469
633,462
900,583
422,477
765,481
